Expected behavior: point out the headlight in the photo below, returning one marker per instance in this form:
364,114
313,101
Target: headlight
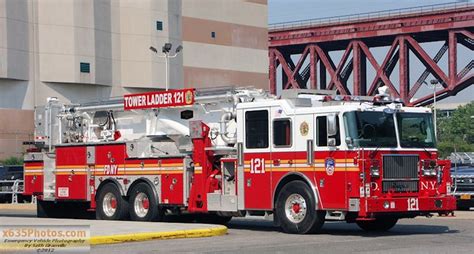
430,172
374,169
429,168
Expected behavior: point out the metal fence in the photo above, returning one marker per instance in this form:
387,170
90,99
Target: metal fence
370,15
13,188
462,158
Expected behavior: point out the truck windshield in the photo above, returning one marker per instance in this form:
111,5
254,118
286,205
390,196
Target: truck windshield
370,129
416,130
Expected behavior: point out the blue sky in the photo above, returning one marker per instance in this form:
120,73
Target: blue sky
292,10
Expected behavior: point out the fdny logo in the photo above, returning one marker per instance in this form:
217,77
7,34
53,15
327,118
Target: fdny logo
330,166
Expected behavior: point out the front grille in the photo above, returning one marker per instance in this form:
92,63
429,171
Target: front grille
400,173
400,166
400,186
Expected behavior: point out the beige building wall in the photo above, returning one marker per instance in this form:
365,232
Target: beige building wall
16,126
43,43
225,42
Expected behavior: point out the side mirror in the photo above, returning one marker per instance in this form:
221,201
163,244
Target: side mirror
349,142
331,142
331,124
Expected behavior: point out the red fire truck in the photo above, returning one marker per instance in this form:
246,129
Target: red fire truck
306,157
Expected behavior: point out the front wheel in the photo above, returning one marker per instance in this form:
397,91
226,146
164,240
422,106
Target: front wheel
379,224
296,209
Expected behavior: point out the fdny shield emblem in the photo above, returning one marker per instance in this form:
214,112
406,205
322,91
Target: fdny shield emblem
330,166
304,128
189,97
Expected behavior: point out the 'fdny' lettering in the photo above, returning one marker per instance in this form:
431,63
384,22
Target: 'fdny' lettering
110,169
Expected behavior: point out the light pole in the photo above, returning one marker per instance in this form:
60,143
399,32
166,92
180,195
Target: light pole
166,54
434,84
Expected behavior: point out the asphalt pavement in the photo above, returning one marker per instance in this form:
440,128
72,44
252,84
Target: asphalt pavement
249,235
107,232
255,235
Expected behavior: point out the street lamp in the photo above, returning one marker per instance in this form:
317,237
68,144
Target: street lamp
166,54
434,84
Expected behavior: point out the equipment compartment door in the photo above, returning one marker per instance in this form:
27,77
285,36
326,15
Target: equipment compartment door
71,173
257,160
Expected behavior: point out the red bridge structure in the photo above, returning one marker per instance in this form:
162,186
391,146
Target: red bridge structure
402,31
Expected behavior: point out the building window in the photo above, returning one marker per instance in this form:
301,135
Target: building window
159,25
213,34
256,129
85,67
282,133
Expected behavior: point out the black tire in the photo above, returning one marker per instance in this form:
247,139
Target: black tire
154,213
379,224
312,220
121,205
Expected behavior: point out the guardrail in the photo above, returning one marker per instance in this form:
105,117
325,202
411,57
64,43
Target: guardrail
370,15
15,188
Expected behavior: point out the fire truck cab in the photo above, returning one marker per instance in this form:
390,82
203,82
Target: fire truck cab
306,157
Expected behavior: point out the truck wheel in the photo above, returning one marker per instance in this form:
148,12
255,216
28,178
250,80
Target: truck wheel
379,224
296,209
143,204
110,204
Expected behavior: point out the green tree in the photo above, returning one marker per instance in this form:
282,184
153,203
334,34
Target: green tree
457,131
13,161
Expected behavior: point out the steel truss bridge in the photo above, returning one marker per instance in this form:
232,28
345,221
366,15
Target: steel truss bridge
357,36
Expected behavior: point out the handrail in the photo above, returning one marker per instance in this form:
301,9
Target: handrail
370,15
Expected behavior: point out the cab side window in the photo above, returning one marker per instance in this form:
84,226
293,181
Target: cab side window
282,133
322,132
256,129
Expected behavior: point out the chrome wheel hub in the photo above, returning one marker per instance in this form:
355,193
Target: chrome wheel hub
109,206
295,208
141,204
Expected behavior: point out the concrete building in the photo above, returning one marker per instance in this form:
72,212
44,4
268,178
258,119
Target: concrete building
85,50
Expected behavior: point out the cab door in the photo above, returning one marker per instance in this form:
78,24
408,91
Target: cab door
330,163
257,159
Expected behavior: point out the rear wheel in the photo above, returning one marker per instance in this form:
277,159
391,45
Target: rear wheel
379,224
144,205
296,209
110,204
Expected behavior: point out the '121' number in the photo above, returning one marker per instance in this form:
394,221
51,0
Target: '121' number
257,166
